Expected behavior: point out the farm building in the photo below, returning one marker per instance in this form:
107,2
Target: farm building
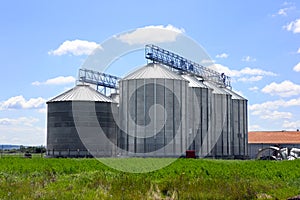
162,109
263,139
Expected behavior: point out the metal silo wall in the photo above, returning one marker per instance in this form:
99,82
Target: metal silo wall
159,98
194,130
122,136
63,138
240,128
137,96
180,116
245,123
207,146
220,138
61,131
169,131
140,143
199,119
105,145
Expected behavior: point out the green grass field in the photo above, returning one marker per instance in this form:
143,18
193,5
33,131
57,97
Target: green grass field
41,178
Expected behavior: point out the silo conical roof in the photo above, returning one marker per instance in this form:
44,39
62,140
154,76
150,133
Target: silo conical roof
216,88
234,94
193,82
153,70
81,93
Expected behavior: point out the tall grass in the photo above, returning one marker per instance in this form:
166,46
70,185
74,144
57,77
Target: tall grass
40,178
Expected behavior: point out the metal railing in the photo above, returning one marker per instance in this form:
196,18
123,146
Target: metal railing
160,55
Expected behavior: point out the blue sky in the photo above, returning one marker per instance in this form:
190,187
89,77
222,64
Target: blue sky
43,44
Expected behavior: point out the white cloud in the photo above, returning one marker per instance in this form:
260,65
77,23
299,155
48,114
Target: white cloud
267,111
19,102
255,127
298,50
207,61
17,131
257,112
274,115
268,105
291,125
60,80
283,11
223,69
42,110
248,59
75,47
242,72
222,55
287,3
292,102
250,79
297,67
255,88
283,89
293,26
25,121
151,34
273,105
246,74
255,71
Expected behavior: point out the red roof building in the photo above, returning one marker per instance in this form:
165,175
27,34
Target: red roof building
274,137
262,139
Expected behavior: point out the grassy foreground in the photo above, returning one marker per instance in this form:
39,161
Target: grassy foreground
41,178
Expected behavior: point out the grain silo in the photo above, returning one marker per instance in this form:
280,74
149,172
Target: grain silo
220,137
239,125
73,121
153,112
164,108
199,99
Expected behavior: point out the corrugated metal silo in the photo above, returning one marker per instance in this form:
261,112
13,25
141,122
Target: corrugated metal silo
75,111
239,125
199,101
153,112
220,137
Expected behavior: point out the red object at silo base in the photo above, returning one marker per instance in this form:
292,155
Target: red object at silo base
190,154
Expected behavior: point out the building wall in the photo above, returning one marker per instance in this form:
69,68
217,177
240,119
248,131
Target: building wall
253,148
